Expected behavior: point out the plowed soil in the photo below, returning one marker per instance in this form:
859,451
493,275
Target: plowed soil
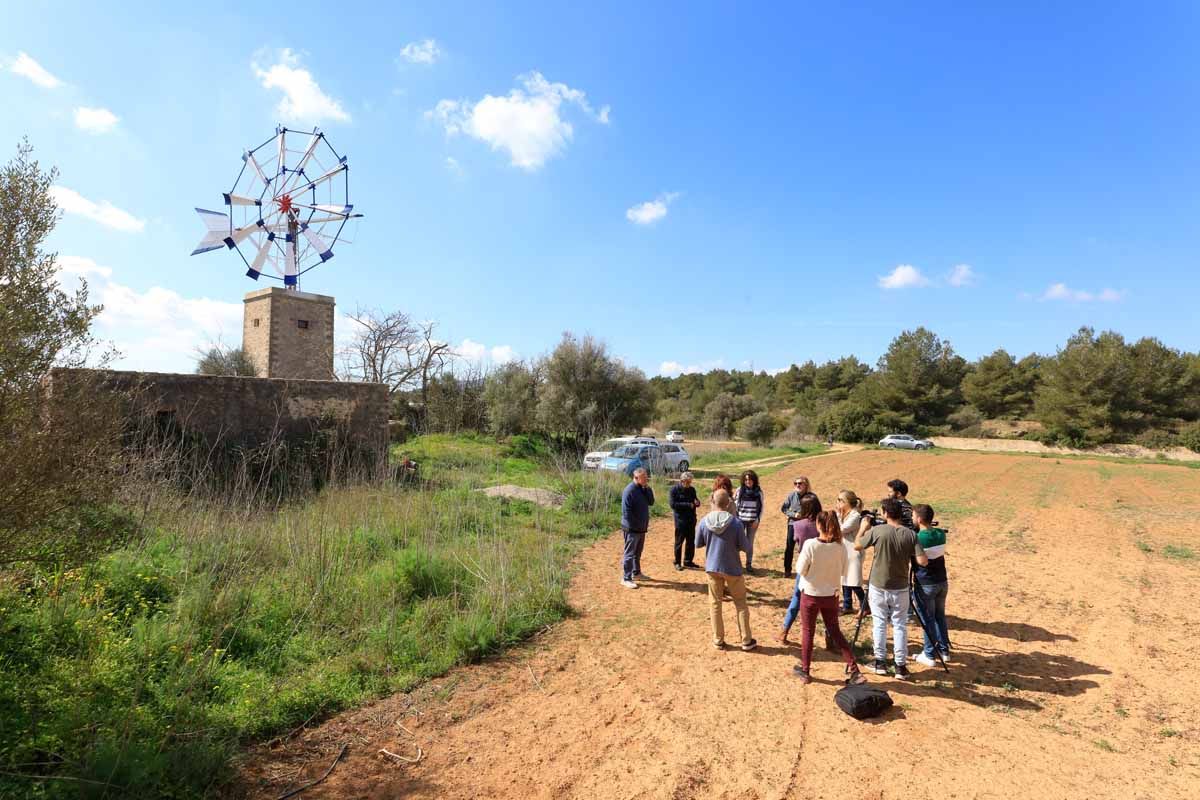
1071,614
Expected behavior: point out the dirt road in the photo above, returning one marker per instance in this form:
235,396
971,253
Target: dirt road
1075,649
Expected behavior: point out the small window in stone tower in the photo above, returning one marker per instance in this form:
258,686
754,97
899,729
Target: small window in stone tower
256,323
302,324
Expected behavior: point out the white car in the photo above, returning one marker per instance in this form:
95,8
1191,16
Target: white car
595,458
905,442
675,436
675,458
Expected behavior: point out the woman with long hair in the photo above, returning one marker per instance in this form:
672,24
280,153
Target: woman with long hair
749,501
722,481
803,529
819,573
849,512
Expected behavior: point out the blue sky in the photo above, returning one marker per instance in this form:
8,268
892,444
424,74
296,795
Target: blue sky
696,184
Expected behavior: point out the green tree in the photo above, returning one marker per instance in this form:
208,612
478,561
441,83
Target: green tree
1085,395
586,392
1000,387
55,439
218,360
759,428
726,409
919,379
510,397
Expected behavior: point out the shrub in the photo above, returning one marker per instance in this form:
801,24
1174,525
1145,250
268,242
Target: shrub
1156,439
965,418
1189,436
758,429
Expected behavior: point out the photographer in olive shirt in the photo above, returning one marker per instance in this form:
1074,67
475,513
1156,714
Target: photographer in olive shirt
895,545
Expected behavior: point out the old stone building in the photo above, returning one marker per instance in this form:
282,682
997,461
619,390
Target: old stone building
289,334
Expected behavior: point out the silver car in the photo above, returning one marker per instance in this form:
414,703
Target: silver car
905,442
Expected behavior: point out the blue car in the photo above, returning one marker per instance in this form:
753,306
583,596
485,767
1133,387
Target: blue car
628,458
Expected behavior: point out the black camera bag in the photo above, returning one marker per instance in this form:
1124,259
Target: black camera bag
862,700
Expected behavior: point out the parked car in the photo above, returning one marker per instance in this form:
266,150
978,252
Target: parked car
595,458
675,436
905,442
637,454
675,458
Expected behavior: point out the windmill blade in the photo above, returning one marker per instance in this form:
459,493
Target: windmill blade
281,167
340,168
238,200
323,220
343,211
264,250
218,228
239,234
308,152
323,248
248,157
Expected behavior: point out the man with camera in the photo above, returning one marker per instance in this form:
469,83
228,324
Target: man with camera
895,545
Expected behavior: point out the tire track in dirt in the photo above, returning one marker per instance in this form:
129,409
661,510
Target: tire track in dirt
1057,688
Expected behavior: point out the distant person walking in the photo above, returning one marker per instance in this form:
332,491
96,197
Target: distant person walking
635,521
804,530
933,585
895,545
821,566
724,536
749,501
791,512
849,512
684,504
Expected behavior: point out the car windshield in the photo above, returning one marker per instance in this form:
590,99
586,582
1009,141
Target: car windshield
626,451
612,444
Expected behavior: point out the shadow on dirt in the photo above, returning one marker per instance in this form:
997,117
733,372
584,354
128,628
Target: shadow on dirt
1020,631
1015,675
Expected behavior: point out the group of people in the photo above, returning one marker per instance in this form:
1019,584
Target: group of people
826,548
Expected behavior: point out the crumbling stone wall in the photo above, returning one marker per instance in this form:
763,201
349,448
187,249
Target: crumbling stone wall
250,412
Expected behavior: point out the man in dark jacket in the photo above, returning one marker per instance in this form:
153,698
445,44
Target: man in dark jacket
791,510
684,503
635,521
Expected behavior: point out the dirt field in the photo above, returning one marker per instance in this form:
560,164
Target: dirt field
1074,673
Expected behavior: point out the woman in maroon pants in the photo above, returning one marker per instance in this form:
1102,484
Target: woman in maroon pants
822,564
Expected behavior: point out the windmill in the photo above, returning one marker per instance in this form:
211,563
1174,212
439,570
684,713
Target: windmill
287,208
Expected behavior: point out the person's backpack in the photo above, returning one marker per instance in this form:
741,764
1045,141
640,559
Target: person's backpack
863,700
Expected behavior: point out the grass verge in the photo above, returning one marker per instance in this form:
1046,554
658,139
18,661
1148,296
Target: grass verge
143,671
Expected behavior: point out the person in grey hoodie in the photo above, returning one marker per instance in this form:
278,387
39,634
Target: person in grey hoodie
635,521
724,536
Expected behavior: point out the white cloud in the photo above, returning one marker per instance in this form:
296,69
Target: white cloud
423,52
527,123
962,275
104,212
1060,291
81,266
303,100
157,329
650,211
904,276
481,354
675,368
453,165
95,120
26,67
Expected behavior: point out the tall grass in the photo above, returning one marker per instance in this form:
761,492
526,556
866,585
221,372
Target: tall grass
142,672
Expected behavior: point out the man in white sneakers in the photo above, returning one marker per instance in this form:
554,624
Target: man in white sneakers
895,545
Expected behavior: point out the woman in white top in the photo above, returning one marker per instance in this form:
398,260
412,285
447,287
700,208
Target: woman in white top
822,564
850,518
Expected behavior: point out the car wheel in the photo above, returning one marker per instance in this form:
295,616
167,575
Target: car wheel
890,445
683,466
